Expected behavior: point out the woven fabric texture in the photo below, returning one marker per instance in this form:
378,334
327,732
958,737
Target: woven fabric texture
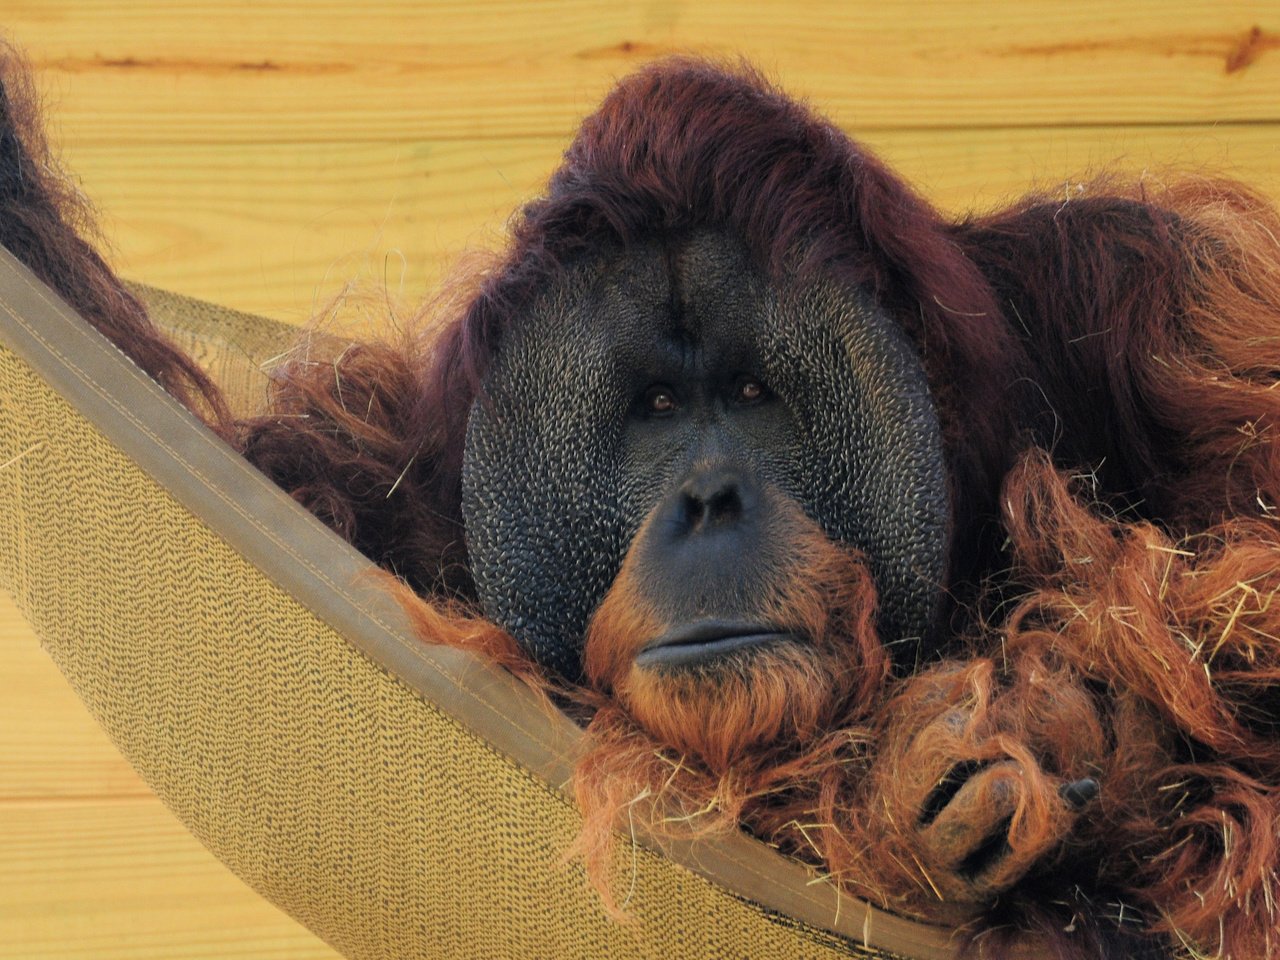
330,786
237,349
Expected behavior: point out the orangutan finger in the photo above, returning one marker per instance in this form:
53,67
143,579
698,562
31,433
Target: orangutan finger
968,839
935,764
1079,793
965,822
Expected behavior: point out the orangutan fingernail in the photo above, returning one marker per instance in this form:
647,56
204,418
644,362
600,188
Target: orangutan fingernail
1078,794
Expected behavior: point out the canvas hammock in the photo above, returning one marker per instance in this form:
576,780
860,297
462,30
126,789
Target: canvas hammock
399,799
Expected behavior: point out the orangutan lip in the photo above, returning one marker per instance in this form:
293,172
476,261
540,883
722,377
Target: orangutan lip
691,644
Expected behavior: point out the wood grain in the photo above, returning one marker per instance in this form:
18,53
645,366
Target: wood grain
125,881
279,228
199,72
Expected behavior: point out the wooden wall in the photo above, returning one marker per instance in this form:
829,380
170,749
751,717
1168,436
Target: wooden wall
262,152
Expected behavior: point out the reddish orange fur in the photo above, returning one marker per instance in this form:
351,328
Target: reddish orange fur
704,754
1060,690
1145,662
1184,638
1223,388
456,626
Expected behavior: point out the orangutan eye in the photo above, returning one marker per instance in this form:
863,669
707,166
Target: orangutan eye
750,391
659,401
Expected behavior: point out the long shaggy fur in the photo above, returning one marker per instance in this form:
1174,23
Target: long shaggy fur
1106,370
47,223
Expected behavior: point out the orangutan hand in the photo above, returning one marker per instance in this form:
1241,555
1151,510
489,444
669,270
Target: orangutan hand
966,812
968,794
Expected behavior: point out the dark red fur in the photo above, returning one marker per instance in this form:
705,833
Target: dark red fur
1144,312
1132,331
47,223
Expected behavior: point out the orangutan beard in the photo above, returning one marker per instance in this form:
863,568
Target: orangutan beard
777,695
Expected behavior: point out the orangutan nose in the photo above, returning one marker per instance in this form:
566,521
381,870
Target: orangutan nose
712,498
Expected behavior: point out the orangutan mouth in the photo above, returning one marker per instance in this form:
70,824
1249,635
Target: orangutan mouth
704,641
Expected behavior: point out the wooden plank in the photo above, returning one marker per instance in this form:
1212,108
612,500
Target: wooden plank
976,170
242,70
278,228
125,881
